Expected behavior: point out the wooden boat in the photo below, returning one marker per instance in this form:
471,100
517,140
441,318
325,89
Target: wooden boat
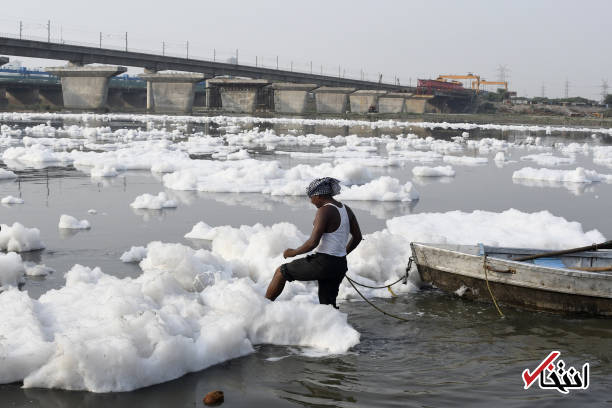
578,282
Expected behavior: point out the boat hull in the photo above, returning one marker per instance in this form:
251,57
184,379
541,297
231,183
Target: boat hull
514,283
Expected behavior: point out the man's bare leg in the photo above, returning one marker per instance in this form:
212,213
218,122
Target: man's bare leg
276,286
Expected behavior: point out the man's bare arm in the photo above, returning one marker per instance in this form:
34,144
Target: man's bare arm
320,224
355,231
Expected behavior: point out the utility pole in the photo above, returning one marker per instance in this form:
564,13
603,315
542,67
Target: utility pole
339,72
604,89
48,31
214,54
291,66
187,46
310,67
126,42
100,39
277,62
20,29
163,48
566,90
256,60
543,91
236,56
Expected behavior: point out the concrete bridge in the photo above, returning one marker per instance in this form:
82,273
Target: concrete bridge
238,88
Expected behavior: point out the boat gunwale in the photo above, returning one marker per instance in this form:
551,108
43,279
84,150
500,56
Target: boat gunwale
594,277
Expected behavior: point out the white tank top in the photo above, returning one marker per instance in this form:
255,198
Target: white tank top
334,243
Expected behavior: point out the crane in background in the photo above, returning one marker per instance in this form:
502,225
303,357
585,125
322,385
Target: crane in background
475,79
484,82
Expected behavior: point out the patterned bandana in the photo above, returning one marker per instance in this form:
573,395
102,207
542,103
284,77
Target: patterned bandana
323,186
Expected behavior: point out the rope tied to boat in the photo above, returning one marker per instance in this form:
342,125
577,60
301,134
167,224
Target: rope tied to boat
403,278
484,267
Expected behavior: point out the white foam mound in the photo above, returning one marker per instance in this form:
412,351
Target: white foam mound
32,269
384,188
135,254
11,200
465,160
579,175
187,311
547,159
17,238
11,271
7,174
104,170
438,171
69,222
500,157
151,202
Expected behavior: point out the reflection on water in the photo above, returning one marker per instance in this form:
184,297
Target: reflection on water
575,188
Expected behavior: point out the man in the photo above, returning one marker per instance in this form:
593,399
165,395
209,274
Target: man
333,223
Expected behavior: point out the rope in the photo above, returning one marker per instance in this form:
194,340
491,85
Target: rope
404,278
373,305
484,267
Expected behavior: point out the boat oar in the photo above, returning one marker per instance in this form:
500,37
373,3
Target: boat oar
594,247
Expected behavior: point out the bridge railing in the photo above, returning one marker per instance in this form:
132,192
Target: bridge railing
182,50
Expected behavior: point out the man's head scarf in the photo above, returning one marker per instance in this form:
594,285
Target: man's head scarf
323,186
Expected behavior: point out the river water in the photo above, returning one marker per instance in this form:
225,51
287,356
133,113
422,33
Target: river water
452,352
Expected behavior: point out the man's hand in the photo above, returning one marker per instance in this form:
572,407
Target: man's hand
288,253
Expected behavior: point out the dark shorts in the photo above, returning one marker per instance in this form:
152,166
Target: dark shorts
328,270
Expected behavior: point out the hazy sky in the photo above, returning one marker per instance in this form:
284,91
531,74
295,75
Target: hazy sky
542,43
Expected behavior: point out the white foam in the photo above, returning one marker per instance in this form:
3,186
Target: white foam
135,254
7,174
17,238
384,188
465,160
11,271
152,202
547,159
439,171
11,200
579,175
69,222
32,269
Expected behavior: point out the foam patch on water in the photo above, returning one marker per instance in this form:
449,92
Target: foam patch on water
547,159
11,270
11,200
439,171
579,175
151,202
70,222
17,238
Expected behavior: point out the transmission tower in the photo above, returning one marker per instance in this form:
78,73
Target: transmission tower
503,73
566,90
543,91
604,89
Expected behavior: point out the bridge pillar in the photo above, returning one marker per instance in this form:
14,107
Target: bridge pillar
170,92
332,99
85,87
22,95
417,103
3,60
365,100
290,97
393,102
3,100
239,95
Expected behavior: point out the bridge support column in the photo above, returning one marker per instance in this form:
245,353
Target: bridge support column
417,103
85,87
171,93
3,100
290,97
332,99
365,100
393,102
239,95
22,95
